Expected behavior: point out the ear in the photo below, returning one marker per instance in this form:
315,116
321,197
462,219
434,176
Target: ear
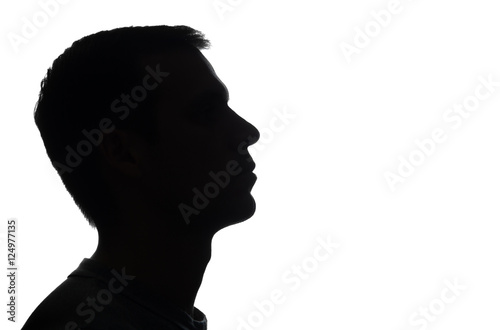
120,150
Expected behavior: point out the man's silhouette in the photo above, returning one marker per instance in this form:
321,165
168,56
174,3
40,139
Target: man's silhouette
136,122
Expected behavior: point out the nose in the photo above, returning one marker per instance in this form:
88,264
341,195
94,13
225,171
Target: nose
245,134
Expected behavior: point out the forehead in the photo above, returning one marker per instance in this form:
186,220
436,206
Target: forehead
191,77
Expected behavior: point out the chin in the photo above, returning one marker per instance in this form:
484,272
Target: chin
225,213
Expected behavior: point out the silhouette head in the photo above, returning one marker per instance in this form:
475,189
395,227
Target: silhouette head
136,122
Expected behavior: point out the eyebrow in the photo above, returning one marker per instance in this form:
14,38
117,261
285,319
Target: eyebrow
212,95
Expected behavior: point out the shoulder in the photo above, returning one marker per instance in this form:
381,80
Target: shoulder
65,307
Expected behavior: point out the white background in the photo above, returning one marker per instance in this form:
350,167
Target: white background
321,177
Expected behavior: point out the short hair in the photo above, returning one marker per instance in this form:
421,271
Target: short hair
76,95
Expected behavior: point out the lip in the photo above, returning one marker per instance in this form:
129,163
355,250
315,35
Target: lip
252,167
249,167
247,175
250,174
251,177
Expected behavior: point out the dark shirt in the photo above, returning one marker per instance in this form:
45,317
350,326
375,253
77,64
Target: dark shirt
96,297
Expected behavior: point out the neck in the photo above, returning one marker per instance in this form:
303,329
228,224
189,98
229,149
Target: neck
171,262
